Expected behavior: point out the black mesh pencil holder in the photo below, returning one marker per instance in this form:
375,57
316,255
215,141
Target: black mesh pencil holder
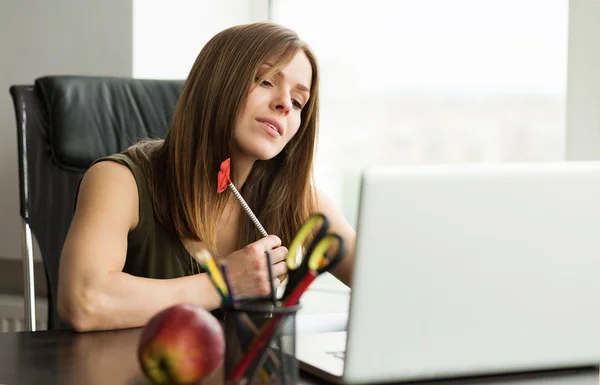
260,344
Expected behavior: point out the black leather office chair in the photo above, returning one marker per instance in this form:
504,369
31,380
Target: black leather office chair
64,123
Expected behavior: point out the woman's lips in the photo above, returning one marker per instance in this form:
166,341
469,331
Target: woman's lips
270,129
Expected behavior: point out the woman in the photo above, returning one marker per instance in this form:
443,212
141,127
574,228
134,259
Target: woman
251,96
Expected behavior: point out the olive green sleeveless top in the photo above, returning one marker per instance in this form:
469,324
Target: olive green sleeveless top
152,250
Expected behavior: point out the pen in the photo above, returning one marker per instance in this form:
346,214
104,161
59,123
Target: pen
269,328
271,279
264,373
224,182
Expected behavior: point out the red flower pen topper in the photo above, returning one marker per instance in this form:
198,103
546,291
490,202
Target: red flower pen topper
224,181
223,176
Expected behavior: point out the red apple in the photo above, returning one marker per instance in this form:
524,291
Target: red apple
181,345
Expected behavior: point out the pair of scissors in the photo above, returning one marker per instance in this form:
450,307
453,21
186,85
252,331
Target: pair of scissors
324,251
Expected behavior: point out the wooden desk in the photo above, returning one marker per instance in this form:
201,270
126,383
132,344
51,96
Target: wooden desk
53,357
66,358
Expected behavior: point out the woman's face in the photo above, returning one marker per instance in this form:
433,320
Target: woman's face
270,116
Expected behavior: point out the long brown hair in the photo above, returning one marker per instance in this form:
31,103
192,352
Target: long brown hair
182,169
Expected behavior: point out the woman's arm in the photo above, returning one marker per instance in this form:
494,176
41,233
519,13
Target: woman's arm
339,224
94,293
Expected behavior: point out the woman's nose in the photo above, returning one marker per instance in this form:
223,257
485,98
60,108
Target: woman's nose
282,104
284,108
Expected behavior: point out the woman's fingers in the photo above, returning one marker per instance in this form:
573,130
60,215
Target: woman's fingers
279,268
278,254
267,243
249,266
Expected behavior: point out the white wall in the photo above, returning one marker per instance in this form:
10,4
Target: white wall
583,81
170,51
40,37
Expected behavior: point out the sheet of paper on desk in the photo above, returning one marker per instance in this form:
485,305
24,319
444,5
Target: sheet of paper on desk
321,323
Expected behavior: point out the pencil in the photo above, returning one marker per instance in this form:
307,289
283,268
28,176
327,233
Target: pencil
224,182
269,328
246,208
264,372
208,263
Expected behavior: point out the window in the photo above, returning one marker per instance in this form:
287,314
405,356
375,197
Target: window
403,81
432,81
167,36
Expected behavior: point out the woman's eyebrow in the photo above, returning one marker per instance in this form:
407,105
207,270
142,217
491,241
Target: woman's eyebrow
299,86
302,87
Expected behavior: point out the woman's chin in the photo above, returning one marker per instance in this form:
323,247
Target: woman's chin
262,153
266,157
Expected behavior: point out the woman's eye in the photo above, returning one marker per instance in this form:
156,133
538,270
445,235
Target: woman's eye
264,82
296,104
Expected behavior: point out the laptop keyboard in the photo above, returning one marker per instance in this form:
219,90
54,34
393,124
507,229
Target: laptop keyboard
340,354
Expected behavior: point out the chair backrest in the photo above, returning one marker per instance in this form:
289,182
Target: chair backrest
64,123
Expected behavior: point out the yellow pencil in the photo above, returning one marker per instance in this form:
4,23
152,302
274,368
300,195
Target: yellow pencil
208,263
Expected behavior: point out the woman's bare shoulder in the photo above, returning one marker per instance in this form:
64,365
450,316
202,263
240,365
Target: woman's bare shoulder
109,186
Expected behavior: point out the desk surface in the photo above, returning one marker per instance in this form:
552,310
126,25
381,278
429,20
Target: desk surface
60,357
65,358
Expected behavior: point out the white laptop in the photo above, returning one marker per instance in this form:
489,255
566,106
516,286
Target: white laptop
469,270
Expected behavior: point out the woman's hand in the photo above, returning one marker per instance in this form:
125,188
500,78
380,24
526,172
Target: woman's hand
248,268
